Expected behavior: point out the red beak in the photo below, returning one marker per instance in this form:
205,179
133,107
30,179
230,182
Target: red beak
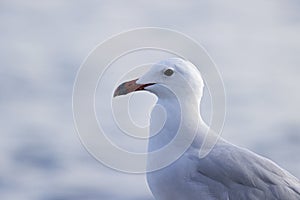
130,86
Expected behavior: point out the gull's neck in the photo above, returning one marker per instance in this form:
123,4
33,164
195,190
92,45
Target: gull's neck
185,111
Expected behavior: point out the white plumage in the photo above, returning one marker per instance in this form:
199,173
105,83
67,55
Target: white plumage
228,172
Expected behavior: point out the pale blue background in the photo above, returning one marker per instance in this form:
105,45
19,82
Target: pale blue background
255,43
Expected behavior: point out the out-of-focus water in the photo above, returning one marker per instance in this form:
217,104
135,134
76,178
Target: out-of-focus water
255,44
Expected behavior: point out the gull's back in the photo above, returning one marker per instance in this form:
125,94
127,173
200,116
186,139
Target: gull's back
226,173
245,175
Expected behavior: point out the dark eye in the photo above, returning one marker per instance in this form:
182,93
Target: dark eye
168,72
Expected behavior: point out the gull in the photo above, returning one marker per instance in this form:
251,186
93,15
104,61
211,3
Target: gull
227,172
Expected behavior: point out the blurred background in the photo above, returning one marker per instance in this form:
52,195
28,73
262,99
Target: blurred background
255,44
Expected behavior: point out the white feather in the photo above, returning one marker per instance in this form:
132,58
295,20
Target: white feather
227,172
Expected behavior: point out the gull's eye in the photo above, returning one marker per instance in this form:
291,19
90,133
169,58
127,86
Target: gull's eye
169,72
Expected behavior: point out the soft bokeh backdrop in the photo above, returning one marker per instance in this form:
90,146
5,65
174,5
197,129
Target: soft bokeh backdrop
255,44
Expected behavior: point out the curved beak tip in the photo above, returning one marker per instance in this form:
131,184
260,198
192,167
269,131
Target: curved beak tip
128,87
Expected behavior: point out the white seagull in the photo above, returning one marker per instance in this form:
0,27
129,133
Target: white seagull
228,172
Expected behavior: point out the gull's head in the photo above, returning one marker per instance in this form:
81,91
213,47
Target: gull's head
166,78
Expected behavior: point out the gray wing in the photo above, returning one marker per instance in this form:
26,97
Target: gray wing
238,174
